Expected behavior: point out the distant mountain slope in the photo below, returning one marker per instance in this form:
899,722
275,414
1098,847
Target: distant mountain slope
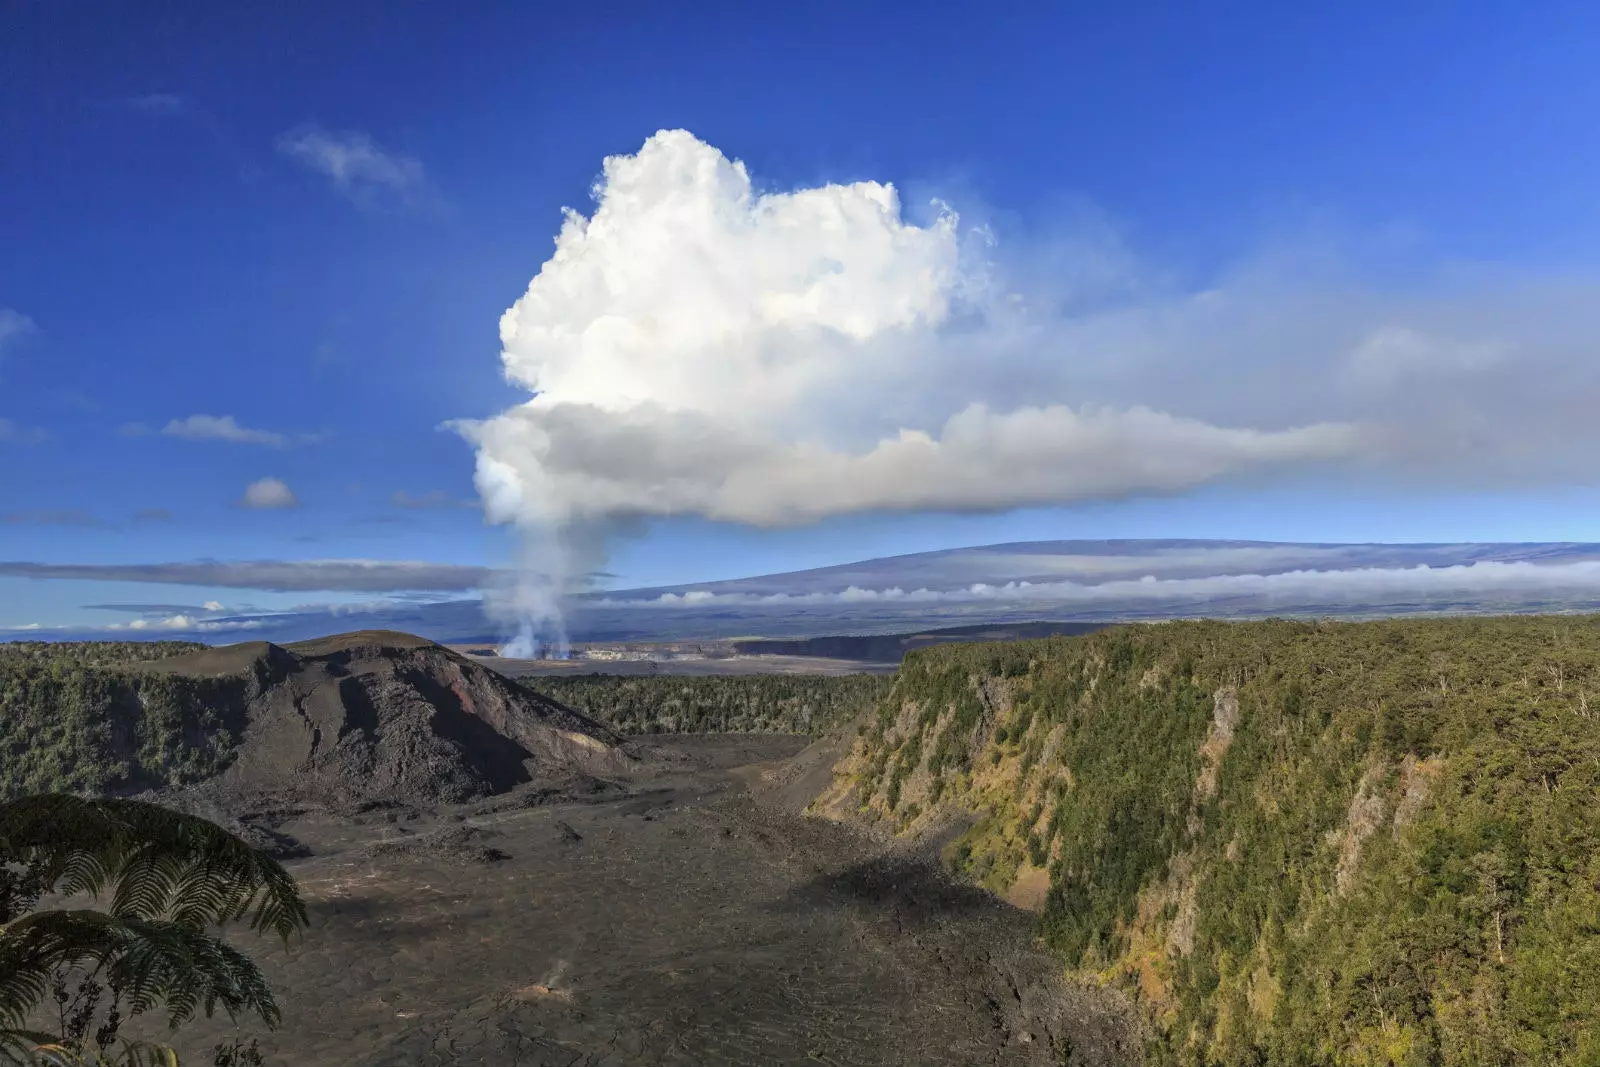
1110,581
1085,581
344,720
1296,843
1094,562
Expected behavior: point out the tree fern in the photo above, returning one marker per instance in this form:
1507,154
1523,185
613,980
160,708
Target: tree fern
157,862
169,877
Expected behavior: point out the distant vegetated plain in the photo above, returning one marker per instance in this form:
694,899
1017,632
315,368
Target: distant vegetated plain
1289,842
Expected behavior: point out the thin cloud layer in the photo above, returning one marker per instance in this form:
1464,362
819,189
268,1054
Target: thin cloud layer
221,428
328,575
369,175
51,517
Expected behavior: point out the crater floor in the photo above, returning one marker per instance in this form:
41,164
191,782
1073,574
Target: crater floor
681,916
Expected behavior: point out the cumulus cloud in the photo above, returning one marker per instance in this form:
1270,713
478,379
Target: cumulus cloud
696,347
268,493
362,170
325,575
220,428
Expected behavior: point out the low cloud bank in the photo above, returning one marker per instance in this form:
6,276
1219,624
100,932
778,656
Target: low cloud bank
1377,587
183,624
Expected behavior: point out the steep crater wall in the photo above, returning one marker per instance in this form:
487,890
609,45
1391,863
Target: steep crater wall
1292,842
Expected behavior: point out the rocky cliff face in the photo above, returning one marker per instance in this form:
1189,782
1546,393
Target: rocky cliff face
377,716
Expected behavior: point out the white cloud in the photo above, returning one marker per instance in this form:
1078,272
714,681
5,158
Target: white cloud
698,348
268,493
218,428
182,624
213,605
365,172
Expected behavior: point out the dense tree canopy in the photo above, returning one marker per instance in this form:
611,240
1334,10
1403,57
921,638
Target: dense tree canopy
681,704
75,718
1297,843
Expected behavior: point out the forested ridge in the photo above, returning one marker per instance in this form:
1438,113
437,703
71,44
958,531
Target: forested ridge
74,718
675,704
82,718
1295,843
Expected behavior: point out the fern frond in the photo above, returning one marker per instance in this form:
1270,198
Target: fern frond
160,864
152,963
27,1048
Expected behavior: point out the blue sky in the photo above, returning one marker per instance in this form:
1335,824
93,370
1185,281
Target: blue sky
178,241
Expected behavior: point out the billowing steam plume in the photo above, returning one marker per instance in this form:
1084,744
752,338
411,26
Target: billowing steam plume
695,347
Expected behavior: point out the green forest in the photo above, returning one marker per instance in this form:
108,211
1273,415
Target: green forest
1292,842
74,719
760,703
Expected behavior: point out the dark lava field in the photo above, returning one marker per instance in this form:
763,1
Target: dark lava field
681,912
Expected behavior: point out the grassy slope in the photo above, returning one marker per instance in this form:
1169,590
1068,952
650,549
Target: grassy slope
769,703
72,720
1297,843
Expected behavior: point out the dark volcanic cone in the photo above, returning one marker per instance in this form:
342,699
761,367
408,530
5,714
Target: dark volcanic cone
385,717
